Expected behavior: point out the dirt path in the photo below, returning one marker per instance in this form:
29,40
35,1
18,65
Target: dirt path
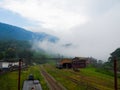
53,84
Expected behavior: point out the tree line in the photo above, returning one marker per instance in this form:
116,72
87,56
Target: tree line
12,50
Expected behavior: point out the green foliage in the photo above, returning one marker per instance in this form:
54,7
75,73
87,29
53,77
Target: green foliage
105,71
85,79
14,49
115,54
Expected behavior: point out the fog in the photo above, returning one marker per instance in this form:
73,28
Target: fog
97,38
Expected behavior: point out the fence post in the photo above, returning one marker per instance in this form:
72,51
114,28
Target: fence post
19,74
115,73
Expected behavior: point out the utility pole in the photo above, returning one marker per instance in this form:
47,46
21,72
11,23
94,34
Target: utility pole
19,74
115,73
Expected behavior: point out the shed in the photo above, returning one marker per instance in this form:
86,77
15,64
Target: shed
66,63
80,62
4,66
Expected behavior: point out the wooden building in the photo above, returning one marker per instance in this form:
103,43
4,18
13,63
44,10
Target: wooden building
65,63
75,63
80,62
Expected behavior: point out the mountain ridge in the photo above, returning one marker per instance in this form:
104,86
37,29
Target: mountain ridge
11,32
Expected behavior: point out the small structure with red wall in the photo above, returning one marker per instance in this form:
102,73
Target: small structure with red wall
79,62
65,63
75,63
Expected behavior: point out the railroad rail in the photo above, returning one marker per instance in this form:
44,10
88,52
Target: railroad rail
53,85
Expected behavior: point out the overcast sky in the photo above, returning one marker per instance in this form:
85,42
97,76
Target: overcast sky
88,27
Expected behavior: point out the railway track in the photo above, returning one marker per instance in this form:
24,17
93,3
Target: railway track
94,80
79,79
76,81
53,85
87,85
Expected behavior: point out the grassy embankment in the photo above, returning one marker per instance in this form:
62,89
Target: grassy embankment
85,79
8,81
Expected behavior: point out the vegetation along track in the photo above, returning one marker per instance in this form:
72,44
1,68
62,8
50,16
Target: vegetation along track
54,85
76,81
89,82
87,85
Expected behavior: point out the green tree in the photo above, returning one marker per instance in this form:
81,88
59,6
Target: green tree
10,53
1,55
116,54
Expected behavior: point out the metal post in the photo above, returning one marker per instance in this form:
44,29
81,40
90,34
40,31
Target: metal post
115,73
19,69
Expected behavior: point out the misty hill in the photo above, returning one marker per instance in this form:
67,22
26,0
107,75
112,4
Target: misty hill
9,32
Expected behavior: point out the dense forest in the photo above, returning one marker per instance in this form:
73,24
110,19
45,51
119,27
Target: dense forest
12,50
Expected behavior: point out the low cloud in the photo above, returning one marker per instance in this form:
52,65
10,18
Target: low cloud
55,48
97,38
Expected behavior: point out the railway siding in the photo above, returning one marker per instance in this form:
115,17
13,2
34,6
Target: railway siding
52,83
86,79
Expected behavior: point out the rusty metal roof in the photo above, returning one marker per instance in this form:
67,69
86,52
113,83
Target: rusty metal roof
65,61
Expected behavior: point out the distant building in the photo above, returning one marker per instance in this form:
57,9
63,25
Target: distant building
65,63
5,66
80,62
75,63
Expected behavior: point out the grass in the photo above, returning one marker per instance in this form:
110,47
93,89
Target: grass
8,81
58,75
108,72
88,78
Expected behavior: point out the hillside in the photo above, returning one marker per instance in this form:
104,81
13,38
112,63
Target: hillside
9,32
11,50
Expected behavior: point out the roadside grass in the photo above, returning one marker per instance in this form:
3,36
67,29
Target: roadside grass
8,81
88,78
